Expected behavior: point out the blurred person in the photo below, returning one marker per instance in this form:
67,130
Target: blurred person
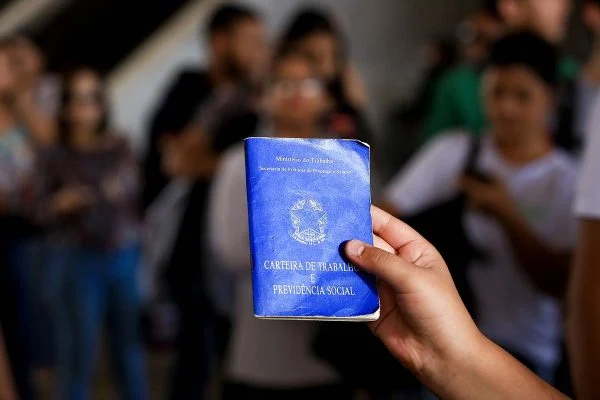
203,114
262,361
36,101
90,188
519,201
17,177
455,101
582,92
35,109
236,39
316,34
425,325
455,107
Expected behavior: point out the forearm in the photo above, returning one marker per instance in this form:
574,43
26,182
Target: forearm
547,268
487,372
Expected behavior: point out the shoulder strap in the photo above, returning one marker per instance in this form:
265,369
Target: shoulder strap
473,155
565,135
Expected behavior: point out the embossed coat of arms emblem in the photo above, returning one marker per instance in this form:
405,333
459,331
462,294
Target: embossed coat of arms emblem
309,221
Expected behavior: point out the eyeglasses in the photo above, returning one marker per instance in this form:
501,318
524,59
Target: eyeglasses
304,87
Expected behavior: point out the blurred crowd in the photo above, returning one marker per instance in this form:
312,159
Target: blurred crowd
153,251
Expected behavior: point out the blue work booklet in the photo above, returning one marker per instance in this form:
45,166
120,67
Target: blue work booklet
306,198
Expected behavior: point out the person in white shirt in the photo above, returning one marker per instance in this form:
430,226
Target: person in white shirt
268,359
521,218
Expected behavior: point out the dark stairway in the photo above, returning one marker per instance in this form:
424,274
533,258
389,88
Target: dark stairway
100,33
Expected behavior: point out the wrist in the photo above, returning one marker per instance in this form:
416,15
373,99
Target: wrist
454,369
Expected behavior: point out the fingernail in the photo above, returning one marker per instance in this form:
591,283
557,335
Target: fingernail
355,248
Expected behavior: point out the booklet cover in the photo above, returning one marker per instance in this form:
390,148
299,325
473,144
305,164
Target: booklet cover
306,198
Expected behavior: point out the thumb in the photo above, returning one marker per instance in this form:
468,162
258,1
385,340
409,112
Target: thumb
388,267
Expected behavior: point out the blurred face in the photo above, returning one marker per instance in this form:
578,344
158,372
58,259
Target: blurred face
591,17
7,79
84,109
518,103
323,51
243,50
476,34
295,96
26,58
549,18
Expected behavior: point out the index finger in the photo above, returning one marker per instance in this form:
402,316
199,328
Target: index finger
392,230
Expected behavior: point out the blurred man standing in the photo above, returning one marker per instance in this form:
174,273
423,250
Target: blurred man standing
518,213
202,115
236,42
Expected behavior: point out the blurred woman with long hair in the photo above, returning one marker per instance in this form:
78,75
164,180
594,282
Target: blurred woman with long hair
316,34
90,191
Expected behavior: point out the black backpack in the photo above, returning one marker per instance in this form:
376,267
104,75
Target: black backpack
566,136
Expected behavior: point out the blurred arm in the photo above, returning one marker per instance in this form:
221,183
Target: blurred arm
489,372
7,391
123,187
583,316
190,155
429,178
546,267
229,214
170,118
355,88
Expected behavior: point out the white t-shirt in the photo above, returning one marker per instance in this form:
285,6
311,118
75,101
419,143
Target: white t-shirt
588,191
511,310
272,354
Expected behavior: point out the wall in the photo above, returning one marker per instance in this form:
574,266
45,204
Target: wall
385,38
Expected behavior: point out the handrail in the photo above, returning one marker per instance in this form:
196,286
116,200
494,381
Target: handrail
25,13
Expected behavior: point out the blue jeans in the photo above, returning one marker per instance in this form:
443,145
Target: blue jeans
99,286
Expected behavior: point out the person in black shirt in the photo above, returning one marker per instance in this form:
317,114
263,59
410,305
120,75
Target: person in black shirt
203,113
236,45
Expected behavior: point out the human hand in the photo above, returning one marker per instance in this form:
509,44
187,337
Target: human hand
423,322
112,189
72,199
490,197
185,155
178,154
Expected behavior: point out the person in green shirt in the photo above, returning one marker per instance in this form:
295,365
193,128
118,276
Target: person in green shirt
456,101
